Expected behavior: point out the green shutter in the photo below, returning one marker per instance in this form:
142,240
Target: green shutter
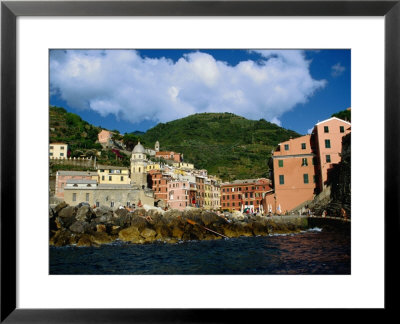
305,177
280,163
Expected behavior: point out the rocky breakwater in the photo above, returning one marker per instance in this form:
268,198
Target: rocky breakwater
83,226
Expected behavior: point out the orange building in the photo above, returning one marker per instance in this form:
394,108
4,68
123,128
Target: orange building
169,155
241,194
300,166
104,136
328,145
158,182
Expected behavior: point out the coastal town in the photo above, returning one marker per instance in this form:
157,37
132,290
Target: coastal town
299,171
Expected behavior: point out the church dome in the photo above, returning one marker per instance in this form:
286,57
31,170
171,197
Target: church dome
138,148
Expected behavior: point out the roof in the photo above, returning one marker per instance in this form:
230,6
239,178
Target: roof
138,148
77,173
326,120
111,167
81,181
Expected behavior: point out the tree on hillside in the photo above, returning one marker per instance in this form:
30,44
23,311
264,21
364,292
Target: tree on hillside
130,140
344,114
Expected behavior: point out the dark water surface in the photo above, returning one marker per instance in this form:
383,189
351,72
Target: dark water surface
311,252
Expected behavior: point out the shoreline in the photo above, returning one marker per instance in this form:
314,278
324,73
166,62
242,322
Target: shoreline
83,226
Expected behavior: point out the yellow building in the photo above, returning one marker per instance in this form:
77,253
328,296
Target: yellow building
153,166
58,150
113,175
207,195
183,165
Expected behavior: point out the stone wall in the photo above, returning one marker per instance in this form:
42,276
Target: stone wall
83,162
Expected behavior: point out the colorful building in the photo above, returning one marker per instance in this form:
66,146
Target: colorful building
169,155
104,137
58,151
158,182
244,194
178,194
63,176
113,175
301,166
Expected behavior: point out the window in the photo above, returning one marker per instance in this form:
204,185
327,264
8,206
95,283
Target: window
87,197
328,158
128,203
281,179
74,197
342,129
112,204
62,147
233,196
314,179
303,146
245,195
97,204
51,154
327,143
109,178
326,129
102,177
305,178
51,147
286,147
251,195
122,178
233,204
304,162
61,154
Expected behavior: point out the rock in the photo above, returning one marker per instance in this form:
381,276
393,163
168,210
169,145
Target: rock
100,238
148,234
122,219
115,230
66,217
121,213
177,232
61,238
139,222
131,234
101,228
85,240
60,206
84,213
103,211
139,212
79,227
209,218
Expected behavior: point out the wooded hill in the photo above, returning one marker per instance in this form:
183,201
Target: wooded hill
225,144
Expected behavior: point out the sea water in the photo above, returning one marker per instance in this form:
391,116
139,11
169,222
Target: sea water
314,251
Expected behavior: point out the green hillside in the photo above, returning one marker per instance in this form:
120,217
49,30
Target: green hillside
81,138
227,145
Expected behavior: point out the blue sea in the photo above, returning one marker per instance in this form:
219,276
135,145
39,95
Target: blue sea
314,251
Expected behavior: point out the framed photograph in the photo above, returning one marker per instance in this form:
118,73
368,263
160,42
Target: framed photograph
85,86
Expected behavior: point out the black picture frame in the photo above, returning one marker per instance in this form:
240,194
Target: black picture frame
10,10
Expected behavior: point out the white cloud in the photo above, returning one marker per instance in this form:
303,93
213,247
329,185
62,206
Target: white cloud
134,88
337,69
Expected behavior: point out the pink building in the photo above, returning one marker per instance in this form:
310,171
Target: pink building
104,136
328,145
301,165
178,194
169,155
63,176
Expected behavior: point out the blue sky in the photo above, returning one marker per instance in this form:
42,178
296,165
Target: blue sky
131,90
